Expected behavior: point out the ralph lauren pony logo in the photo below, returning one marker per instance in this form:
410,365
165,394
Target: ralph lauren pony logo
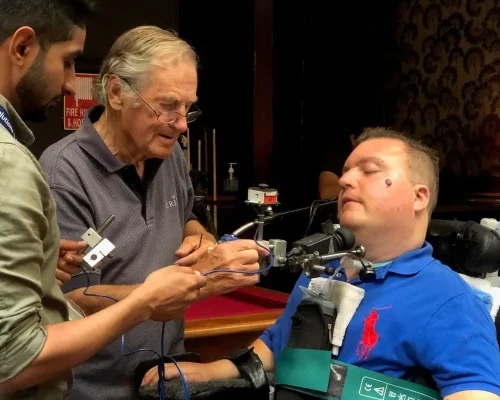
370,336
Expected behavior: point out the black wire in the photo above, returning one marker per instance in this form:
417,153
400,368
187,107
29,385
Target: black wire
270,218
312,211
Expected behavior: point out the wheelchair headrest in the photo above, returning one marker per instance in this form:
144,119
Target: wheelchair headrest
466,247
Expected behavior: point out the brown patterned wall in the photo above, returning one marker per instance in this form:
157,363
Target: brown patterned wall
449,87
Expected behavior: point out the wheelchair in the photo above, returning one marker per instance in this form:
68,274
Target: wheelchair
466,247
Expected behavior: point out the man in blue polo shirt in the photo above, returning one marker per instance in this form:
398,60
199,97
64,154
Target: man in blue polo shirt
417,313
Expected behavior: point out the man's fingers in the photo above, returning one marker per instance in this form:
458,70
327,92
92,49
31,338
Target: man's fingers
262,251
249,268
71,245
151,377
191,258
185,248
201,281
246,244
60,283
62,276
198,281
67,267
171,372
247,256
74,259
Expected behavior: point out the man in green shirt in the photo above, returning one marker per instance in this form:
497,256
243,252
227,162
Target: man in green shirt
39,42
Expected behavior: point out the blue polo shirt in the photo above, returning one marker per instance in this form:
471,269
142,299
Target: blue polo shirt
418,313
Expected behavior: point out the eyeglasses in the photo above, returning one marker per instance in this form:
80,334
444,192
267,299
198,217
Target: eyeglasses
168,117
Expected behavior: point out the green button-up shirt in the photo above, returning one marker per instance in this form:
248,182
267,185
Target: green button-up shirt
29,248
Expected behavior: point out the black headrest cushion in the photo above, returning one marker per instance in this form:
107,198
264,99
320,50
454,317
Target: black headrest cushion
467,247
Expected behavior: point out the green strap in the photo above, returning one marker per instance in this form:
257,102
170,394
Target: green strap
366,384
314,373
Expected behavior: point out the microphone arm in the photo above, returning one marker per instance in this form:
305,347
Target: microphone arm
311,264
266,215
358,251
244,228
311,253
307,254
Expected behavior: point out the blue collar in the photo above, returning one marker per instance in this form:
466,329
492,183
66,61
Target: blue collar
410,263
5,121
13,124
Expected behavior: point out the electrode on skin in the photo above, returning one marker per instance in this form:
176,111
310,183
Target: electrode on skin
388,182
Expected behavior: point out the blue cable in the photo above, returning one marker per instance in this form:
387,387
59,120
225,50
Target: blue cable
161,365
93,294
161,357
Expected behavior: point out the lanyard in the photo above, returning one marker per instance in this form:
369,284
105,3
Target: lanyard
5,121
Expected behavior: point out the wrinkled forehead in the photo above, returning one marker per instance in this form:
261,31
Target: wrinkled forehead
177,83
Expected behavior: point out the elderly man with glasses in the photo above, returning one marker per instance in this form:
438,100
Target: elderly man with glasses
125,161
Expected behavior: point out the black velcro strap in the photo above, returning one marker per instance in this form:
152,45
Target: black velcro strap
82,280
250,367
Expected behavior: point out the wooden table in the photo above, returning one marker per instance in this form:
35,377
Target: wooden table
218,325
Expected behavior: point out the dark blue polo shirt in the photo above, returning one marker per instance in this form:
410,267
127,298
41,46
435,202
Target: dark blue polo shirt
417,313
89,184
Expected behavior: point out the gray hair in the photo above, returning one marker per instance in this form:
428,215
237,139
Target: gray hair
135,52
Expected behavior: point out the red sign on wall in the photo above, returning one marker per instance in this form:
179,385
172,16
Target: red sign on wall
75,106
